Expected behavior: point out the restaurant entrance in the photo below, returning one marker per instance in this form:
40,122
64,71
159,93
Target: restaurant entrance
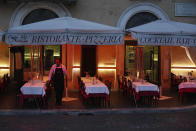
88,60
151,60
49,53
17,52
150,54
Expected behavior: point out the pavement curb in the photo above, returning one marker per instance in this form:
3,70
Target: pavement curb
79,112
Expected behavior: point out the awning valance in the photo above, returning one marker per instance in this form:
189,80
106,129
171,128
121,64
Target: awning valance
78,38
165,33
64,30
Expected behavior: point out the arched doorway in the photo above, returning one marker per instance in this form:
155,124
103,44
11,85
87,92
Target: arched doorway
30,12
50,53
150,54
134,16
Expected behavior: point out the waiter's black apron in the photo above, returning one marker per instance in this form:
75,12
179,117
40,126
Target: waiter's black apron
58,80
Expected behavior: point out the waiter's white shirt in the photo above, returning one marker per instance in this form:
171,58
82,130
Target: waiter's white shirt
53,68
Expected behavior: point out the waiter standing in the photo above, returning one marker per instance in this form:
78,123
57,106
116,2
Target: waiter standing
57,73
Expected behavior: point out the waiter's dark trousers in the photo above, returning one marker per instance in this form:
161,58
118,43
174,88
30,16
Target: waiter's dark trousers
59,88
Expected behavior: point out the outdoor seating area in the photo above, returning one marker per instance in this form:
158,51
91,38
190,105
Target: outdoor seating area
94,93
117,100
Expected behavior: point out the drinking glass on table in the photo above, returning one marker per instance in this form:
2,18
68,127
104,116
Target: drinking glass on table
93,80
86,74
188,79
143,81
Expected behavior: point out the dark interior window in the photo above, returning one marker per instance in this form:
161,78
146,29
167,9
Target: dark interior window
39,15
140,19
88,61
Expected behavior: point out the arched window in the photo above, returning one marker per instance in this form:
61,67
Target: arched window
39,15
140,19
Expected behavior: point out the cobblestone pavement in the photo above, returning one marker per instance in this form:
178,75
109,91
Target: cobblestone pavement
170,121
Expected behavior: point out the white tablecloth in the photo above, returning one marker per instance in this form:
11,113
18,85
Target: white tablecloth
94,88
187,85
144,86
35,87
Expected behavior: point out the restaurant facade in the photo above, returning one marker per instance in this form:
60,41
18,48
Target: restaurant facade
106,61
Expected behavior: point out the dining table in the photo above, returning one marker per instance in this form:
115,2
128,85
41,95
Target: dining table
143,88
95,88
187,87
33,89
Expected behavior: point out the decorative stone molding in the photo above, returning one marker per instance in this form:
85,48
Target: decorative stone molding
25,8
66,2
138,8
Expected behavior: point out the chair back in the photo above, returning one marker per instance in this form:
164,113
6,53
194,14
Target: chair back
79,80
125,82
100,78
130,84
82,87
108,83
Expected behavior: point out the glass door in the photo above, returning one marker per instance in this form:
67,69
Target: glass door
151,64
51,53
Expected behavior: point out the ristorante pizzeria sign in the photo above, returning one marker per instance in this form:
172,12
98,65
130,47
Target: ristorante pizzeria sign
166,40
64,38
